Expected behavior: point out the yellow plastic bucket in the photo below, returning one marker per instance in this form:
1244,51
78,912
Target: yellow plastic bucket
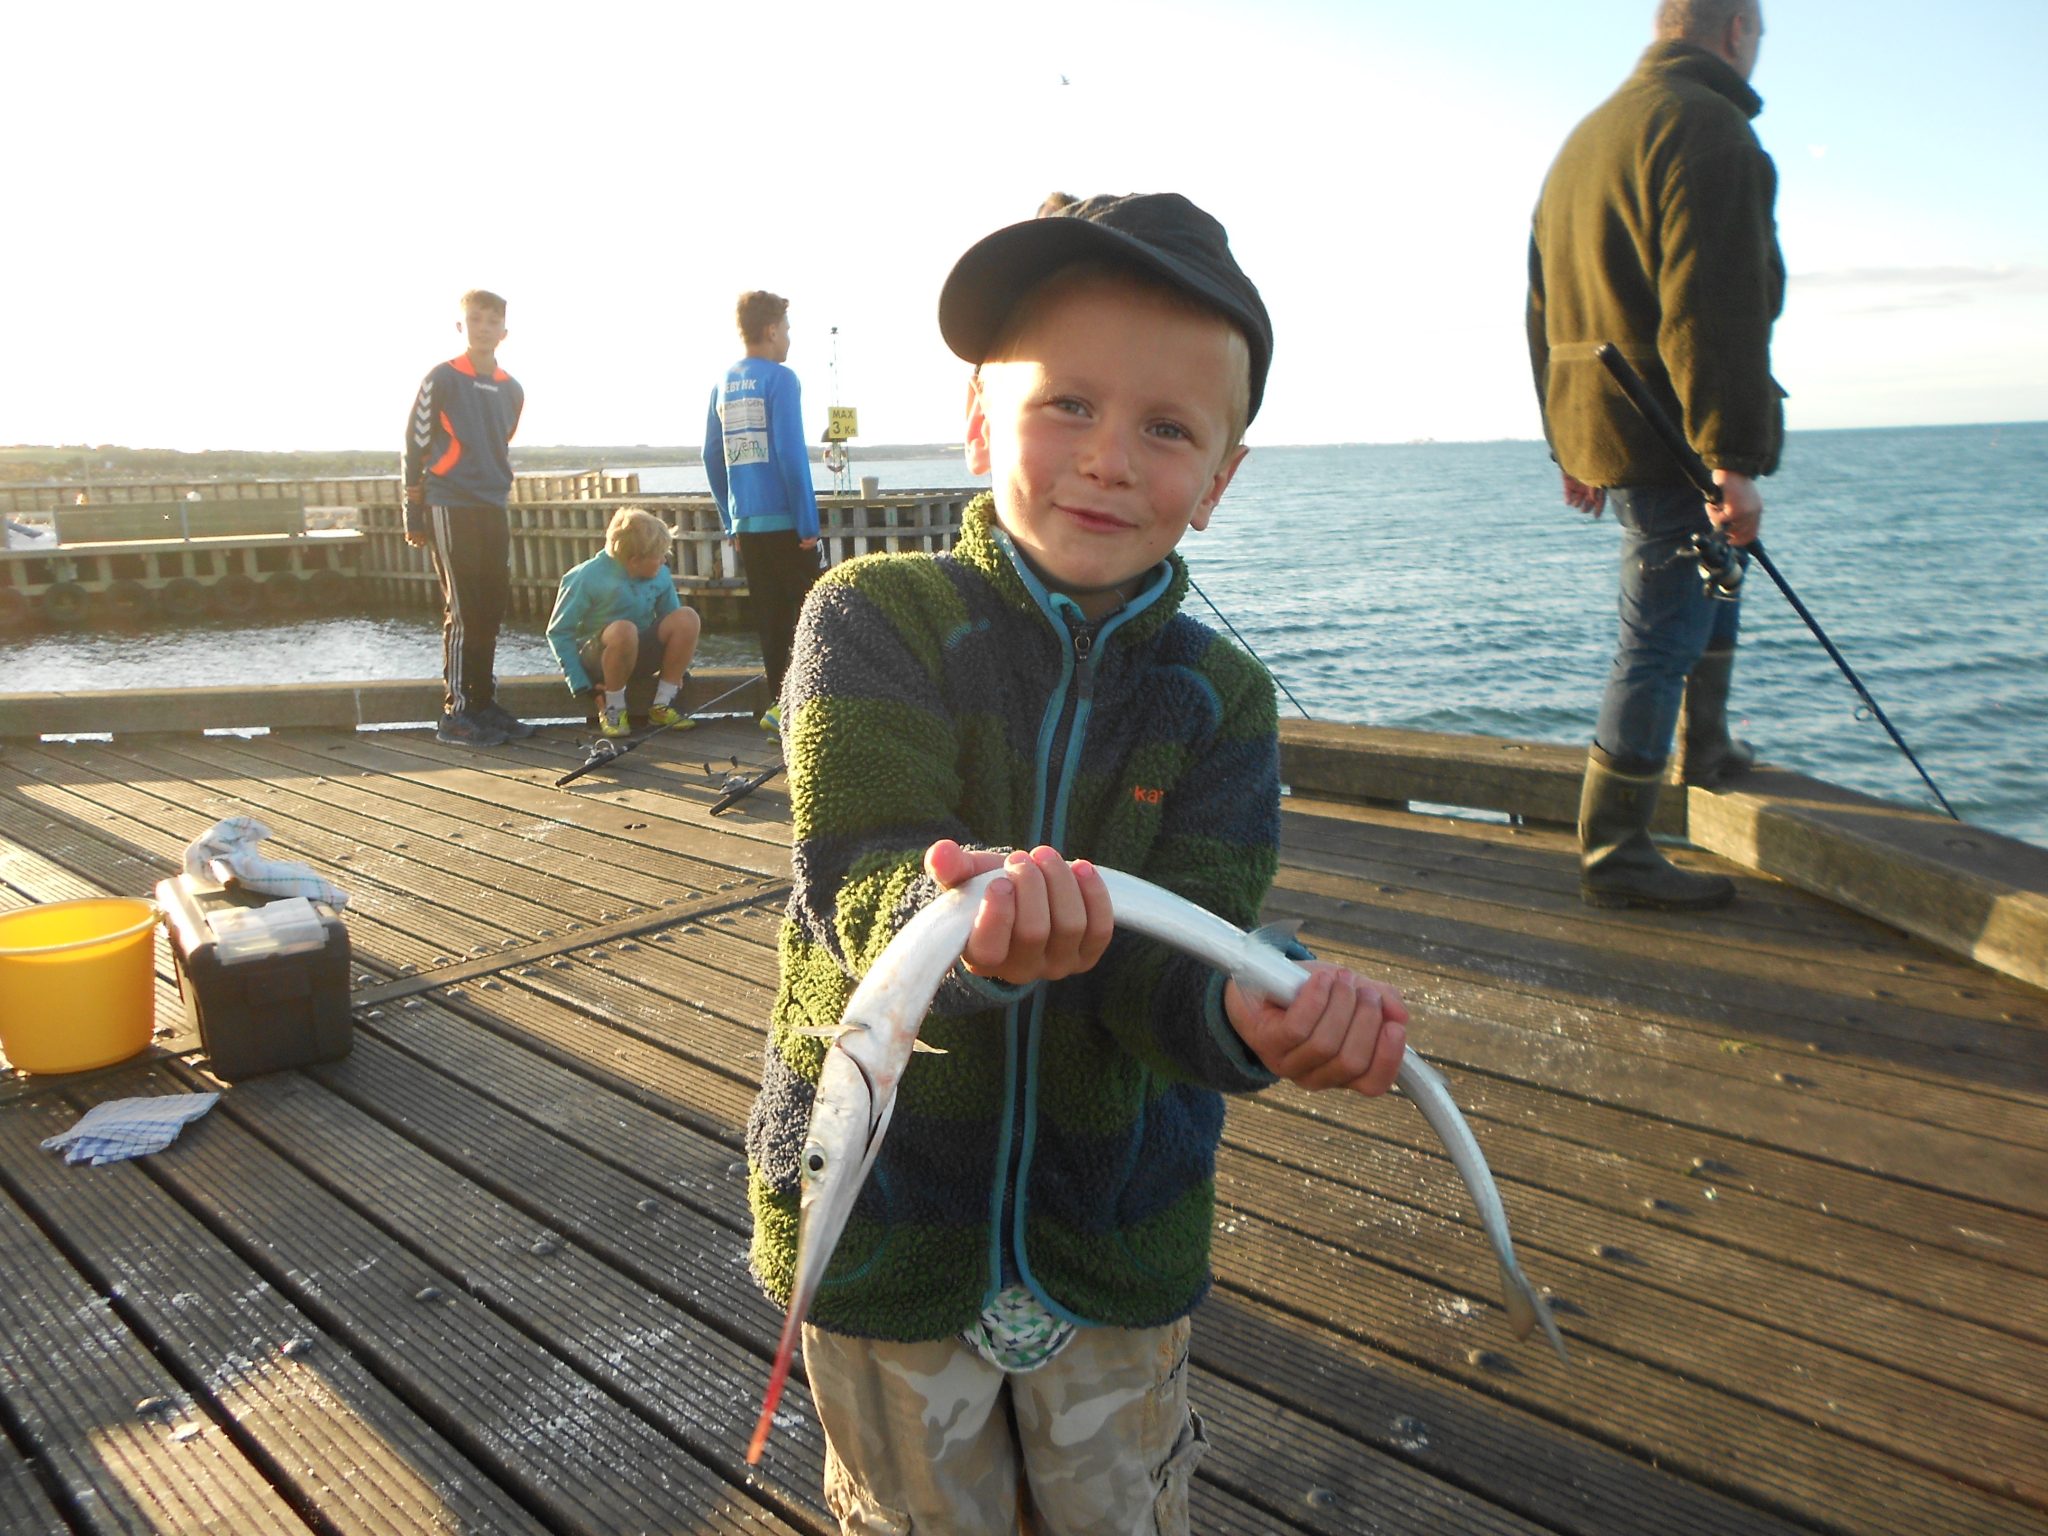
77,983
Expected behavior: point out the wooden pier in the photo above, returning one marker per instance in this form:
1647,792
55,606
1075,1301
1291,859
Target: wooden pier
1784,1168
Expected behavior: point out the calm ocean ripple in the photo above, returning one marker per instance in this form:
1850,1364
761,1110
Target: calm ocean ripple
1444,586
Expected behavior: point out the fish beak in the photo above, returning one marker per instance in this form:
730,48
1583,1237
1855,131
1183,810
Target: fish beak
846,1132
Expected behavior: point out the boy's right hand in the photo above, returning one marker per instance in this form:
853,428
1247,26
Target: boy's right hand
1046,920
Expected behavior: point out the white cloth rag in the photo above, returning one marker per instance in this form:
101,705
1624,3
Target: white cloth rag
120,1128
234,841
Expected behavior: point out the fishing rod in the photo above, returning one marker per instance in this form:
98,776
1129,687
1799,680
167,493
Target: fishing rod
607,749
738,786
1240,639
1659,420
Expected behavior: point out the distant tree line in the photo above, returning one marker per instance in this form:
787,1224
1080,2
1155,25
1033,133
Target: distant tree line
81,464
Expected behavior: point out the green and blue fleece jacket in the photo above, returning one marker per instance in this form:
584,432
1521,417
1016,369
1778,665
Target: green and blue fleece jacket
1067,1138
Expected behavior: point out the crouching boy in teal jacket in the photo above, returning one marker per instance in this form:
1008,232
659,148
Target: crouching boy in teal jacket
1004,1328
617,617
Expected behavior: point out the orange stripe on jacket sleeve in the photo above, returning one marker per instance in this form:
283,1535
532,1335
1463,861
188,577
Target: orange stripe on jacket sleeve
453,456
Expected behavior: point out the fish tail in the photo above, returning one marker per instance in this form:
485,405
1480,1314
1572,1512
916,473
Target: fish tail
1527,1309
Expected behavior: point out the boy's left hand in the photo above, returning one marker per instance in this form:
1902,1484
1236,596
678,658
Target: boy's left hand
1341,1031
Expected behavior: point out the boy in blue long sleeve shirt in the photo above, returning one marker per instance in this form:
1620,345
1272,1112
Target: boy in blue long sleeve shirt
617,617
760,473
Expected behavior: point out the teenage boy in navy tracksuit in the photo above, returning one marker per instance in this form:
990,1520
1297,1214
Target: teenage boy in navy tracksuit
458,477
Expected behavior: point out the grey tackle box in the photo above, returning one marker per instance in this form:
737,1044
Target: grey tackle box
263,999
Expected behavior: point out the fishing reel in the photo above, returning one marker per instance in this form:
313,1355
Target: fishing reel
1720,567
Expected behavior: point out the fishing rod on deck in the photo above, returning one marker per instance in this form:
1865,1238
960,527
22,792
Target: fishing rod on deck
1717,562
608,749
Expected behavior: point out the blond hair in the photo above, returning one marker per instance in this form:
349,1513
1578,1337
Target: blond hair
634,534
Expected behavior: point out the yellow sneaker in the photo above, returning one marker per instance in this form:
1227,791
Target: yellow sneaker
613,722
771,719
667,714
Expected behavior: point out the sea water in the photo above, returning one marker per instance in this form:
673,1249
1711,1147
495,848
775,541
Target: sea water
1445,586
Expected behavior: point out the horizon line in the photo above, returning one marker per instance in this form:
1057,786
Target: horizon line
939,445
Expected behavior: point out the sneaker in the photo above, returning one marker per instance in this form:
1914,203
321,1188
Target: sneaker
503,721
463,728
771,719
613,722
668,714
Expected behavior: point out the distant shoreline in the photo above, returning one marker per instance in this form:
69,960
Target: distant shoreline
70,464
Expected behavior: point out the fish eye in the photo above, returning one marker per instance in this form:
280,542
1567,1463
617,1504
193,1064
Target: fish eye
814,1160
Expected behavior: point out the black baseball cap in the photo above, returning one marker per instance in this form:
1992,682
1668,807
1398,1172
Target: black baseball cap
1160,232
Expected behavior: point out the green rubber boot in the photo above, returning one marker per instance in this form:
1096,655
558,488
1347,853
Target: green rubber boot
1707,755
1618,864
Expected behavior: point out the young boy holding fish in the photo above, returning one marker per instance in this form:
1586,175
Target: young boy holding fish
1003,1329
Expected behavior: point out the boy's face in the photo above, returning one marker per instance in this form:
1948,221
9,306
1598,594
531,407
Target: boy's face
484,326
647,566
1107,433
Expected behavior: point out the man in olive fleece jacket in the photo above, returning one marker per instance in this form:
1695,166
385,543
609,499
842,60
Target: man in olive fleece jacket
1655,232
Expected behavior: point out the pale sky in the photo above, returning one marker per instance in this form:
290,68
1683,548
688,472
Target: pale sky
245,226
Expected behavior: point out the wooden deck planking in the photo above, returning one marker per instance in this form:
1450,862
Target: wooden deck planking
1562,1012
1777,936
294,1398
1750,1357
435,1286
1639,1320
119,1441
1720,986
25,1510
1283,1158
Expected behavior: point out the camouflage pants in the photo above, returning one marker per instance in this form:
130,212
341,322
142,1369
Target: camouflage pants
931,1438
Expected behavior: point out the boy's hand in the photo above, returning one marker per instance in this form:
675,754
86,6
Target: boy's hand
1046,920
1341,1030
415,496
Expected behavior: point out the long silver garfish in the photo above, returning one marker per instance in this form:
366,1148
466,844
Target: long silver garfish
873,1043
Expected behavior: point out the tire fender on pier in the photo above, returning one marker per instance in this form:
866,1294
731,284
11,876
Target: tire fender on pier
128,602
237,594
182,598
325,590
64,603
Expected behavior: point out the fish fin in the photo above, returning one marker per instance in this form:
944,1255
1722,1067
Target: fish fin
826,1031
1280,936
930,1050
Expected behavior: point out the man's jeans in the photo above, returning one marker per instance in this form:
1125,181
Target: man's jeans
1667,622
